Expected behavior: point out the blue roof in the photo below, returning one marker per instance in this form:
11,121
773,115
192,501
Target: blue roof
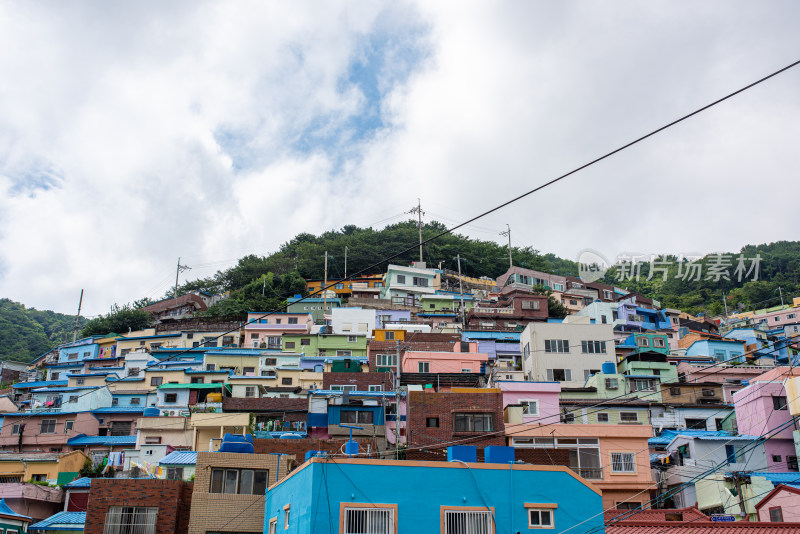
120,409
40,384
65,365
102,440
83,482
63,390
235,352
179,458
160,336
336,393
102,359
96,373
6,510
38,414
791,478
75,520
107,368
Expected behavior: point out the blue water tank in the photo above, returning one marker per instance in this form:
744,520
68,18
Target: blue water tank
351,447
496,454
465,453
609,368
151,412
237,443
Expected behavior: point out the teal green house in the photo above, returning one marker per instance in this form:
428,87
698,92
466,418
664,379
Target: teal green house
312,305
644,342
10,521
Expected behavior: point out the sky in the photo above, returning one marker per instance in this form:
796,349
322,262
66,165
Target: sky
132,134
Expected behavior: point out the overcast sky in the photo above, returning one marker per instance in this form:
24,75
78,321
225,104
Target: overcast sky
133,133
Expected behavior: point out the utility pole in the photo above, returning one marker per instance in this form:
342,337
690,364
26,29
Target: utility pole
397,401
418,210
508,233
345,261
77,317
180,269
325,289
780,291
737,481
461,291
264,287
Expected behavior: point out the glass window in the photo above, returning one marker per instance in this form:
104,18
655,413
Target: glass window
231,480
622,462
540,518
530,407
130,520
217,476
246,482
260,481
368,520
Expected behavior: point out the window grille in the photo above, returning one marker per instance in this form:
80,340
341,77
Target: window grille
467,522
129,520
368,521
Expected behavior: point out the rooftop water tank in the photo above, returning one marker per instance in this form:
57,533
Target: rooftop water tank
464,453
496,454
609,368
151,412
237,443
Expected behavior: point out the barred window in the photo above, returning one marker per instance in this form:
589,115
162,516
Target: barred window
130,520
467,522
368,520
622,462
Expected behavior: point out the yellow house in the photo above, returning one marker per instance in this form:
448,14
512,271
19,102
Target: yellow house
386,334
52,467
298,377
240,364
108,346
175,430
88,379
127,344
210,428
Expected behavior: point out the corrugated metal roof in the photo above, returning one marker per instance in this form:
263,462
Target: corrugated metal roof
6,510
102,440
120,409
83,482
191,386
40,384
179,458
63,390
74,520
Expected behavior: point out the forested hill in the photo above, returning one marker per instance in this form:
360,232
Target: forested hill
25,333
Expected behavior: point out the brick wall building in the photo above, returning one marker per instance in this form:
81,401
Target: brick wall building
361,381
172,498
415,343
221,502
299,447
465,415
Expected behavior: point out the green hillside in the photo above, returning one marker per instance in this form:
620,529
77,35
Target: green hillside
25,333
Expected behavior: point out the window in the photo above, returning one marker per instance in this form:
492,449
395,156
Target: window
347,327
286,510
467,522
732,453
607,294
211,367
292,320
611,383
156,380
674,391
472,422
659,343
646,384
48,426
530,407
273,523
388,336
776,514
152,440
174,473
622,462
776,458
642,342
170,397
352,339
304,342
290,344
115,401
530,304
54,376
343,387
593,347
526,351
250,391
419,281
779,403
538,518
364,417
589,372
629,417
636,506
373,520
556,345
135,401
432,422
286,381
130,520
270,361
707,392
68,425
791,463
602,417
559,375
250,370
377,387
424,367
197,380
695,424
344,352
73,356
386,360
401,279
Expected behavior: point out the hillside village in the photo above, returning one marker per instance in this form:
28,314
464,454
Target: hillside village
632,415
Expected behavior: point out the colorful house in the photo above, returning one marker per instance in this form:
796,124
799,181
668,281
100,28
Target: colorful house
265,330
534,401
10,521
405,286
313,306
487,497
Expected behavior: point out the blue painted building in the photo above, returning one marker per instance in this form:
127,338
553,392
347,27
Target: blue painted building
768,345
78,351
719,349
412,497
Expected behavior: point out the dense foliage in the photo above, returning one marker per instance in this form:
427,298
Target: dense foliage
26,333
119,320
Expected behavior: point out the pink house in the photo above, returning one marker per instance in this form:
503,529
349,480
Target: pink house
539,400
266,332
780,505
761,407
730,376
469,361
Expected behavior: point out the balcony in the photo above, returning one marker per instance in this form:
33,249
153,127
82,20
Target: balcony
594,473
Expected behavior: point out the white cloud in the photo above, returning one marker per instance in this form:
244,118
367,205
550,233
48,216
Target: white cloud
131,135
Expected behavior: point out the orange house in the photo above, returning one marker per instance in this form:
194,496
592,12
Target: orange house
615,458
343,288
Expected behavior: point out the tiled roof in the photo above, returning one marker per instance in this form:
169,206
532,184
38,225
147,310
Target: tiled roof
687,514
264,404
63,390
83,482
102,440
179,458
698,527
791,478
6,510
74,520
31,456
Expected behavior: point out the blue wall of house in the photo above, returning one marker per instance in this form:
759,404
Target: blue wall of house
315,492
